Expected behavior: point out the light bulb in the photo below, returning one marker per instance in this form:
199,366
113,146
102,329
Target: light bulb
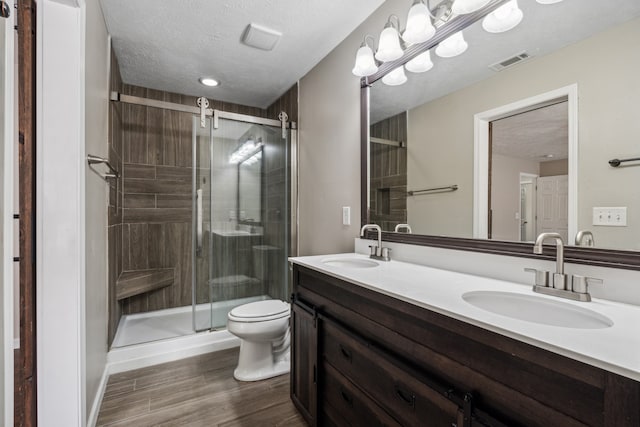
389,48
461,7
420,63
365,64
395,77
452,46
419,27
503,18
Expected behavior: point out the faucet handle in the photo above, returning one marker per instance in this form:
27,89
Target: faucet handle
580,283
541,276
373,250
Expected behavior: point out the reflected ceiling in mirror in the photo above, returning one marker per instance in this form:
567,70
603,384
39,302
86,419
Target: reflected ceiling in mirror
585,44
543,30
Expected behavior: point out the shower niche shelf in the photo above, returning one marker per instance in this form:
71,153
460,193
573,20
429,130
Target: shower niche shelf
136,282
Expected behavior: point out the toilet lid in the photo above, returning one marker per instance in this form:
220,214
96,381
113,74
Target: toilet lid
257,309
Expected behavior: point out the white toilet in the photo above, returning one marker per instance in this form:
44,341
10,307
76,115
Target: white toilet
263,329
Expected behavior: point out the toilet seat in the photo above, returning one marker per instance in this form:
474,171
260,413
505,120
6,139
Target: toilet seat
260,311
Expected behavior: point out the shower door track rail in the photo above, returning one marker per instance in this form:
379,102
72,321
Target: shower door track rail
209,112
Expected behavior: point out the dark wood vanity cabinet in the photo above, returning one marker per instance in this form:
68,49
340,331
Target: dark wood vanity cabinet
362,358
304,361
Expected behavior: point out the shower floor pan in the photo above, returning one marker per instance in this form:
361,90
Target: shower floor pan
174,322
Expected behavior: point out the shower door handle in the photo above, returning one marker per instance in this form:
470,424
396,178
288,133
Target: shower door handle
199,221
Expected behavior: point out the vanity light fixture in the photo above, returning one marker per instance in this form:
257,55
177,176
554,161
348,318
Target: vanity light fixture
548,1
452,46
365,63
395,77
419,26
245,150
208,81
253,159
461,7
420,63
503,18
389,48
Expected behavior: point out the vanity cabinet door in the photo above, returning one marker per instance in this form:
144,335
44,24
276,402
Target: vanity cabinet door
304,361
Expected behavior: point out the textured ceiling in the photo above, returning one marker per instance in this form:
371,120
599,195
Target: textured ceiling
544,29
168,45
534,134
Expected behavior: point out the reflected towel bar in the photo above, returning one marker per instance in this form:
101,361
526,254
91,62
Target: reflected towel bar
433,190
94,160
616,162
400,144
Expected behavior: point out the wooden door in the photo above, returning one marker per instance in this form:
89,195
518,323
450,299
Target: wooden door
553,205
304,361
26,378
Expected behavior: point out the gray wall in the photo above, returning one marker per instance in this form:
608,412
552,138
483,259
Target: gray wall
96,191
329,144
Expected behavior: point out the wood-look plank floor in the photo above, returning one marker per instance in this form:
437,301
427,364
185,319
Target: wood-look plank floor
198,391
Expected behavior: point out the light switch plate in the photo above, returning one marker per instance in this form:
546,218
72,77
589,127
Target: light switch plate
346,215
610,216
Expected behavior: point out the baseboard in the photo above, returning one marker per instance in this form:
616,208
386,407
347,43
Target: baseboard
153,353
97,400
16,343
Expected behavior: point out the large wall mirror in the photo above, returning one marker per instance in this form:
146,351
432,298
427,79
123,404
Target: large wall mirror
514,137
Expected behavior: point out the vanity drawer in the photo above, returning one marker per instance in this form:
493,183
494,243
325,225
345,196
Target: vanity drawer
385,379
344,403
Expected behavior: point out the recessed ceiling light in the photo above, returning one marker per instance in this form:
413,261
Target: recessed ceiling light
548,156
208,81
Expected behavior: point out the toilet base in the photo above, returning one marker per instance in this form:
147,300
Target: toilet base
257,362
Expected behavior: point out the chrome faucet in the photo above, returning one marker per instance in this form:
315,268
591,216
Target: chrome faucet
559,278
377,252
576,288
406,227
585,238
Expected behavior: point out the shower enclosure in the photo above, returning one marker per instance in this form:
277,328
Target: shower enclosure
205,214
241,214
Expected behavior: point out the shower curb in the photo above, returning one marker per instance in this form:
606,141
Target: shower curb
168,350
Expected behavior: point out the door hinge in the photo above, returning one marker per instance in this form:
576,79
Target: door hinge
21,137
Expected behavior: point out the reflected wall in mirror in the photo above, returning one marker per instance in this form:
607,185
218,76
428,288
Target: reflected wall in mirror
594,52
250,188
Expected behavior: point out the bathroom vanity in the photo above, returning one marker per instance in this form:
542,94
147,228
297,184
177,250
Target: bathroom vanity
398,344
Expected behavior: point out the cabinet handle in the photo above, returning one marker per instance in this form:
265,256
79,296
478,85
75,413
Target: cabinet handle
406,396
345,353
346,397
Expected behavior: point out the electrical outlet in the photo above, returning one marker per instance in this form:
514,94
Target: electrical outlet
610,217
346,215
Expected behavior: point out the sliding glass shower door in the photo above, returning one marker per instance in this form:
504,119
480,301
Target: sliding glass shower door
241,215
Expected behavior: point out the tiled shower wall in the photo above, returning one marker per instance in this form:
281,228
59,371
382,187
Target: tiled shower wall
152,224
388,164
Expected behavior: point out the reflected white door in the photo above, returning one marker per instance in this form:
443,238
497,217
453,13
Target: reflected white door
553,205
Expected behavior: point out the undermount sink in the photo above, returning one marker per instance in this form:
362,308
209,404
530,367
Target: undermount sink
349,263
537,310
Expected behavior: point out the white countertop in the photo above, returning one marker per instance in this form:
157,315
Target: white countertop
616,349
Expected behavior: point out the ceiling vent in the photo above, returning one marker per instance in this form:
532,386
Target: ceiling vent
516,59
261,37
